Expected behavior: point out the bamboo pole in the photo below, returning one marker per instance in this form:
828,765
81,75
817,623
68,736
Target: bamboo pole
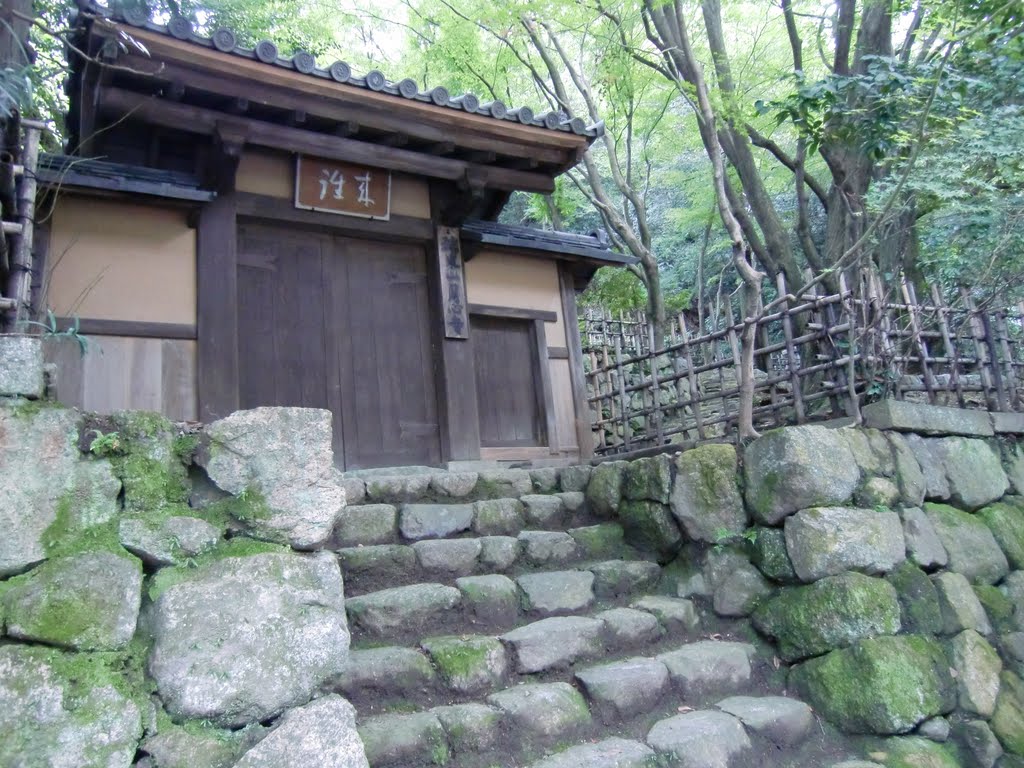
792,365
20,280
915,330
1010,377
951,351
977,336
691,380
659,428
623,402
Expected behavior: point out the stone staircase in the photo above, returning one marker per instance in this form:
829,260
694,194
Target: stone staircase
496,621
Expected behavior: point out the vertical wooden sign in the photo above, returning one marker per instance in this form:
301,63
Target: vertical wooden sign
453,284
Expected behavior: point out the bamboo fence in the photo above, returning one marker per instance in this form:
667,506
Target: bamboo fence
818,356
17,217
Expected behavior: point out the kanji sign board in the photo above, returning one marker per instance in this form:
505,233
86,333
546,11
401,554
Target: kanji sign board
344,188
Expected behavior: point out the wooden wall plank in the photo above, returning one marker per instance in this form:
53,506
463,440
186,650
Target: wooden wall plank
178,369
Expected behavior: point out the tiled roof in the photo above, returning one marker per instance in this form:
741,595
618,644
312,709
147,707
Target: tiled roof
226,41
68,171
591,247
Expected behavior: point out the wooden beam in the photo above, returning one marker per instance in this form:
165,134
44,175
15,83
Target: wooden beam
514,312
267,208
206,121
581,408
346,128
394,140
143,330
558,353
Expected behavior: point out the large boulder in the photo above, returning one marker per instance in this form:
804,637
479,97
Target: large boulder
47,492
89,601
920,610
883,685
974,471
978,667
831,613
280,462
795,468
706,497
63,711
169,541
243,638
972,549
321,733
825,541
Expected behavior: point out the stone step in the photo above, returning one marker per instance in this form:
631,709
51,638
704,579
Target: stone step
425,484
370,567
609,700
368,524
496,601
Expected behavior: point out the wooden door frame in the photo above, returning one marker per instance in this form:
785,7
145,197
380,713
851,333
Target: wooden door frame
217,306
546,397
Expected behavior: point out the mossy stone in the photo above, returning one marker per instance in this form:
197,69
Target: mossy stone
768,553
831,613
706,496
468,664
883,685
1006,521
650,526
648,479
604,489
919,601
916,752
1008,720
973,550
603,540
998,606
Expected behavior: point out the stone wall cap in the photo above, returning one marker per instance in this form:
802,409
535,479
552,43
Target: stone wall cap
927,419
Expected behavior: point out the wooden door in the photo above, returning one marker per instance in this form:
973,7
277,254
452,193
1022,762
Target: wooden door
342,324
508,383
389,402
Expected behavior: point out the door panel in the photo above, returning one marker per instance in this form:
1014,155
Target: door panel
507,382
385,363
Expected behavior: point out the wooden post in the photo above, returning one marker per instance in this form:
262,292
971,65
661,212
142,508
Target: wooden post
691,380
581,410
1010,377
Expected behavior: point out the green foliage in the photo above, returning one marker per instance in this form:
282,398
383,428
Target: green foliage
51,330
109,444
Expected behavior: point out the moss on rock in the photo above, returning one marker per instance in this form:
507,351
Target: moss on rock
919,601
831,613
1008,720
883,685
998,606
916,752
1006,521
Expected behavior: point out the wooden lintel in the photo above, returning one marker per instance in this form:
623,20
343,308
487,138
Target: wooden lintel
514,312
206,121
267,208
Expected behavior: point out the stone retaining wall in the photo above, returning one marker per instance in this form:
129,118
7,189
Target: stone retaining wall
168,597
